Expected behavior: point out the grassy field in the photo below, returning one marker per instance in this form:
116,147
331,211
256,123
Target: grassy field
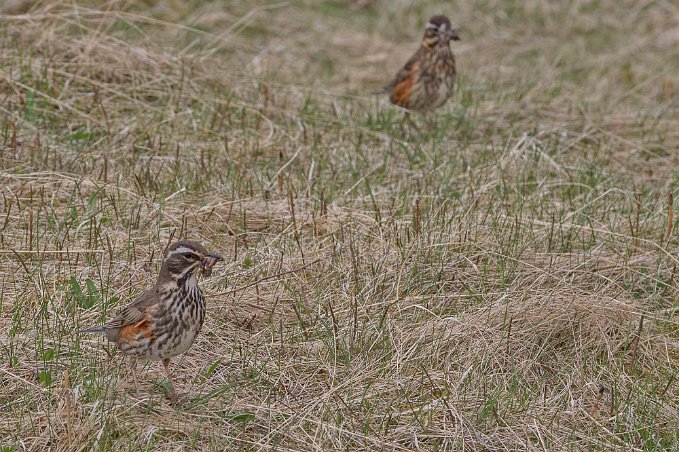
503,277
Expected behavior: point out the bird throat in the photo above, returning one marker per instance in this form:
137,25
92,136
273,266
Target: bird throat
186,277
187,299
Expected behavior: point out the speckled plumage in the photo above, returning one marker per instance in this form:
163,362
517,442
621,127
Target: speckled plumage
426,81
165,320
168,327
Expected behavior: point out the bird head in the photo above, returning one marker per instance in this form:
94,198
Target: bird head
439,31
184,257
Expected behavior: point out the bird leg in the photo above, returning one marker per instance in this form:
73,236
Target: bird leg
408,120
173,394
133,369
431,121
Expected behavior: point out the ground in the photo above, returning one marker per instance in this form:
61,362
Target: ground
501,275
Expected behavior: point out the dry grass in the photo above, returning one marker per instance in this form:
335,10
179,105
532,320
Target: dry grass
503,279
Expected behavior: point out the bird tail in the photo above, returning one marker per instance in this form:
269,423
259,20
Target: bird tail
94,329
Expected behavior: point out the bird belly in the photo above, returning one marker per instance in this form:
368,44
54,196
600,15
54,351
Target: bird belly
442,94
179,330
167,331
177,343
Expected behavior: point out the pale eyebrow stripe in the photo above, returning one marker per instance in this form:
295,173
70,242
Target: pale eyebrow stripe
181,249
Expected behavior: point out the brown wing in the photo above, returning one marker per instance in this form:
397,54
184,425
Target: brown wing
400,88
131,314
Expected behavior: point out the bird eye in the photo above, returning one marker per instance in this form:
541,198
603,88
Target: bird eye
188,255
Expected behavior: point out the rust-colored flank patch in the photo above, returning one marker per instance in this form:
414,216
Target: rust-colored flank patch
129,332
401,94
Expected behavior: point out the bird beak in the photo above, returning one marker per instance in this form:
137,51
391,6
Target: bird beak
453,36
216,256
209,261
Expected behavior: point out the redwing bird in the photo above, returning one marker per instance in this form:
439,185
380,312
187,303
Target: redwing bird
426,81
166,319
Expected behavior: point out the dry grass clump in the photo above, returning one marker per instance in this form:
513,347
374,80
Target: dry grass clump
501,278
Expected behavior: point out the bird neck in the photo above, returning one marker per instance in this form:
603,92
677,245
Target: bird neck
187,281
443,50
430,44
